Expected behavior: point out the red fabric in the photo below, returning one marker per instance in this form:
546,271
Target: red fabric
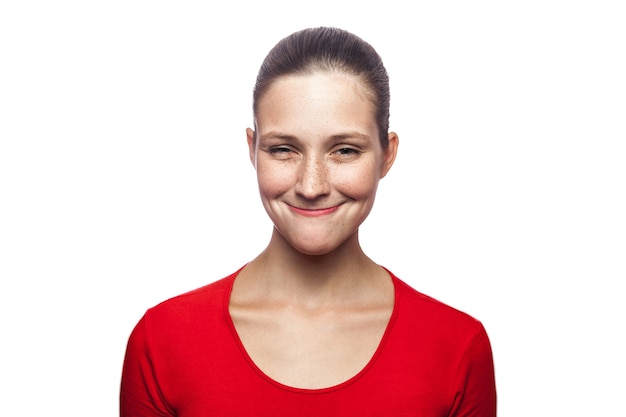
185,359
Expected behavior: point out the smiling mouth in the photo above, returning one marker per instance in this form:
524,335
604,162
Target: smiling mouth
314,212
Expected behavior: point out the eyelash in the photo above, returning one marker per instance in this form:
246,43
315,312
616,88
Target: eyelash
279,149
348,151
341,152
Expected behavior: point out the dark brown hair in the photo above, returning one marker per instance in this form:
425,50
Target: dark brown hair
328,49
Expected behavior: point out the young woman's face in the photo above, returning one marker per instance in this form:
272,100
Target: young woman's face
318,158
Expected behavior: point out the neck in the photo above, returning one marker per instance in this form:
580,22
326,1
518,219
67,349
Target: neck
283,274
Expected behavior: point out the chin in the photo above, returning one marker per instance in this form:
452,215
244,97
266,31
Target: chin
313,252
314,242
314,247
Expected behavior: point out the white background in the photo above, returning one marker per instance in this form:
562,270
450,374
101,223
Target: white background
124,180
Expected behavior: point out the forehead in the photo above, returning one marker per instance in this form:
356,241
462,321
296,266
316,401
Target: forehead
319,94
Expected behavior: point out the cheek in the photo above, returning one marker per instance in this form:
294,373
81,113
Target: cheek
273,181
358,183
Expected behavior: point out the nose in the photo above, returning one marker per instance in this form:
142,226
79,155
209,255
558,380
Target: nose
313,181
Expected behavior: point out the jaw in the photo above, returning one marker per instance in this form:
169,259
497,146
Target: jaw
312,243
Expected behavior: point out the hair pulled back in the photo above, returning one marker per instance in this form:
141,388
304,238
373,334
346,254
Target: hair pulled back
328,49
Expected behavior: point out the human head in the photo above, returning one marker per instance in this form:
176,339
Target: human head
329,49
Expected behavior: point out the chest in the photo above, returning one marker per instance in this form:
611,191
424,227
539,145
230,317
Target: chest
221,369
311,351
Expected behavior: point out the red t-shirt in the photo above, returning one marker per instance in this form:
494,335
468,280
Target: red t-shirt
184,359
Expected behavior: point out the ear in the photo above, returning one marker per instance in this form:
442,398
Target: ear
251,146
389,154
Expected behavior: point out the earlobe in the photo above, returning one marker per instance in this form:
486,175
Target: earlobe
250,136
389,154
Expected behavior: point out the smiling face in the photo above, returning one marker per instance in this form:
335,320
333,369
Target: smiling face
318,158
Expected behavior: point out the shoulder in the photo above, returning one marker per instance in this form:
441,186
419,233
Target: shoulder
203,303
434,317
439,340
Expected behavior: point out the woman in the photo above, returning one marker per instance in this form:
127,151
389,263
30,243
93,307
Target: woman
312,326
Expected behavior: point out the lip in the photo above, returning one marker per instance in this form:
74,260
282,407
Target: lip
314,212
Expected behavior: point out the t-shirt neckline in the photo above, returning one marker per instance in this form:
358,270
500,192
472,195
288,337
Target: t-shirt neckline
339,386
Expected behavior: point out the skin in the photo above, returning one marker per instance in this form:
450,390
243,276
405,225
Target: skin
312,307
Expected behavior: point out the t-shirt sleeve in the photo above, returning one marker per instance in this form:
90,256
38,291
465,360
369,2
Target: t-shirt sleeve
475,388
140,395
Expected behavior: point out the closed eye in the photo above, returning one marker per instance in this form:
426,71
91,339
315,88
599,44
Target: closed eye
279,149
347,151
281,152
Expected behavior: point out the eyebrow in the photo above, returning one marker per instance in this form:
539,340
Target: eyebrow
336,137
351,135
276,135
